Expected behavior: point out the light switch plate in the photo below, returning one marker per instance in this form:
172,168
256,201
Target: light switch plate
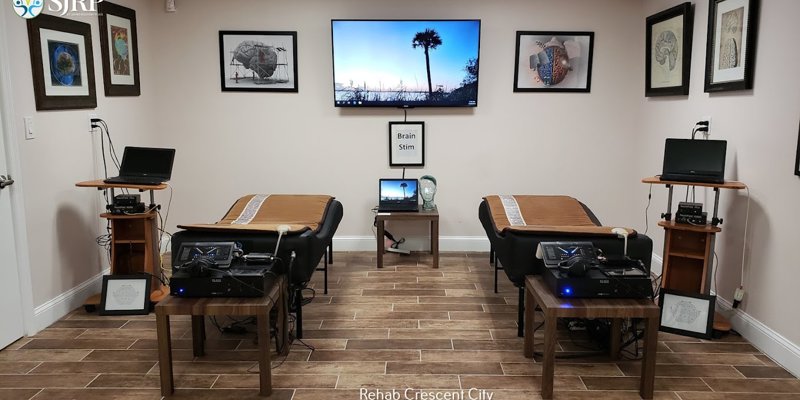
29,128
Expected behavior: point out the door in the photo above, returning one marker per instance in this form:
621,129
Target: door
11,328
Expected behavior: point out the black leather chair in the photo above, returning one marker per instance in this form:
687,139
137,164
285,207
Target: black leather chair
516,251
309,247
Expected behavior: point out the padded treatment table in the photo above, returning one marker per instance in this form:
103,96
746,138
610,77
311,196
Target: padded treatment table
309,245
516,248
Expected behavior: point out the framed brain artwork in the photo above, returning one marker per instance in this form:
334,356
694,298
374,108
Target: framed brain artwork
668,51
553,61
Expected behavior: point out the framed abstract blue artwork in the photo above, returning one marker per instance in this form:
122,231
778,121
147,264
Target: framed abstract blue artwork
62,63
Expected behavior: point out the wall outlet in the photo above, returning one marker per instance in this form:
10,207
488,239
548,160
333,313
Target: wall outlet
706,118
91,116
29,128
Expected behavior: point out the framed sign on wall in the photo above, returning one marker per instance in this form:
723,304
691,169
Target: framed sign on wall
407,144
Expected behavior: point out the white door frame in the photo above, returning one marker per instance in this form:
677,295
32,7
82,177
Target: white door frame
16,192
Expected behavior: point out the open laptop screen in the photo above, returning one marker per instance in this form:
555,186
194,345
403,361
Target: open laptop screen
398,192
147,161
694,160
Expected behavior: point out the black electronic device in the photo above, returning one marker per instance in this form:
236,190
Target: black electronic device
559,253
598,282
691,213
220,253
144,166
127,199
690,160
248,281
398,195
575,269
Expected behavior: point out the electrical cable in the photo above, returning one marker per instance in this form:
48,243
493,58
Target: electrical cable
744,239
646,219
112,150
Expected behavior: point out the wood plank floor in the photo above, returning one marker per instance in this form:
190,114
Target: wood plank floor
406,325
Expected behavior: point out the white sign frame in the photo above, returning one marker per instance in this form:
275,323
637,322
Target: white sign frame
407,144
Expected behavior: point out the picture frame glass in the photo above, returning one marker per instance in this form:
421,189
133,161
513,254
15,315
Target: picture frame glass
406,144
121,60
258,61
686,314
553,61
666,53
64,63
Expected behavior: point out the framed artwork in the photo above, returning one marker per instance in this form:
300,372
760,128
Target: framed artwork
553,61
119,48
797,160
688,314
731,45
668,43
61,63
125,295
406,144
258,61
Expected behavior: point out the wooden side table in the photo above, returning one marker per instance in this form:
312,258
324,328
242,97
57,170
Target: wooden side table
538,293
423,215
199,307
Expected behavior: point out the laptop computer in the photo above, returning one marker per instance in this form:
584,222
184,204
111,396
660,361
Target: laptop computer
144,166
398,195
691,160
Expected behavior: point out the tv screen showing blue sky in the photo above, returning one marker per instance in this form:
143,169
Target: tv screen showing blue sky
394,189
379,56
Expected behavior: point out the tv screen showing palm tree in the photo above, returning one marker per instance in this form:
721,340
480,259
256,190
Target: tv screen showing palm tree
405,63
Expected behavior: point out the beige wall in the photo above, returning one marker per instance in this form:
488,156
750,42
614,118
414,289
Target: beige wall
62,220
593,146
760,126
230,144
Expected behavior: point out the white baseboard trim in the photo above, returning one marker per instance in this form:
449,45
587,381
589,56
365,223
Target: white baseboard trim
446,243
656,264
773,344
59,306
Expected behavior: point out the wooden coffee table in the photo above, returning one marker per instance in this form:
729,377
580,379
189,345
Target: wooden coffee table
199,307
538,293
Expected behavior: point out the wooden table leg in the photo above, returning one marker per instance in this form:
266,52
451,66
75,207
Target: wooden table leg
530,320
616,337
549,353
381,244
435,242
198,335
649,359
283,318
264,364
164,354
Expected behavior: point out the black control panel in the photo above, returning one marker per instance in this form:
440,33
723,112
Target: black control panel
220,252
552,253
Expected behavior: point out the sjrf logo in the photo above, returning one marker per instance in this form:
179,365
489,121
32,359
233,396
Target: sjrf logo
28,8
31,8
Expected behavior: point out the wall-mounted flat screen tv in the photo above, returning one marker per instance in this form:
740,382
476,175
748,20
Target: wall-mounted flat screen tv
405,63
